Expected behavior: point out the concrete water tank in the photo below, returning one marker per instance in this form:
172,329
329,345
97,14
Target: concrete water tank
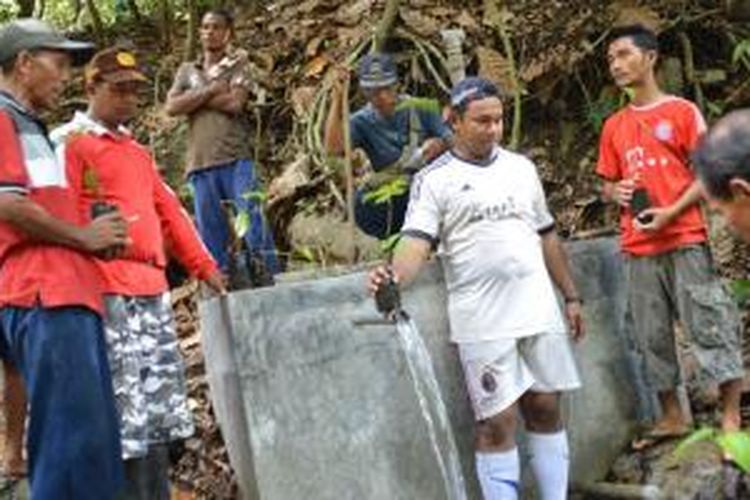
314,399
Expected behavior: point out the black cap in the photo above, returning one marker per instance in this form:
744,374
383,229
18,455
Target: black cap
30,33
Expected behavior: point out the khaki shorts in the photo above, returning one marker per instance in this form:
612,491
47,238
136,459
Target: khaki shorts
681,286
499,372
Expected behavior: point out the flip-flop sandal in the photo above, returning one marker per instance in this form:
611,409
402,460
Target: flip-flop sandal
650,439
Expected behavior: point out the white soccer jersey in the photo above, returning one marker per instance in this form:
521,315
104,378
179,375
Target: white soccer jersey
487,219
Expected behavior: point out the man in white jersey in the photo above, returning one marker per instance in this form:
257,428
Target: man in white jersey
485,206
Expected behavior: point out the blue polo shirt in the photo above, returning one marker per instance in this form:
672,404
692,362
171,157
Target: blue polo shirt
384,139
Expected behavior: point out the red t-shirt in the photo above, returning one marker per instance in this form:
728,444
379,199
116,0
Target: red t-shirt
652,144
115,169
31,272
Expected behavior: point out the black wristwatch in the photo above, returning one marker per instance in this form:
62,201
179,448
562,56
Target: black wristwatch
575,298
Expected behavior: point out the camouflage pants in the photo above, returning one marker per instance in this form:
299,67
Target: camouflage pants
148,373
681,285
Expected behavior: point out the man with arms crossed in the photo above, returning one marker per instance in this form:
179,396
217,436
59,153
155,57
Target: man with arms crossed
212,93
644,161
500,252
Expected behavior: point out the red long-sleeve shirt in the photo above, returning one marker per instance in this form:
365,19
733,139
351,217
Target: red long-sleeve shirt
114,168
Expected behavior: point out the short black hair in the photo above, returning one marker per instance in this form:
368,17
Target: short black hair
643,37
724,154
223,13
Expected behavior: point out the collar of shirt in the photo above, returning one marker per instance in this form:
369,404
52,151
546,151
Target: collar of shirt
11,101
84,123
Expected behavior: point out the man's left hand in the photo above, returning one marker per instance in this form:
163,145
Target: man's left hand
574,315
217,283
654,219
432,148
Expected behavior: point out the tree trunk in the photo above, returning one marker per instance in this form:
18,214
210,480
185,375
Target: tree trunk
42,8
386,23
495,14
96,20
133,6
165,22
25,8
77,8
191,45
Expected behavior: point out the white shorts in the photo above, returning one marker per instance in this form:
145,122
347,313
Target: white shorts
499,372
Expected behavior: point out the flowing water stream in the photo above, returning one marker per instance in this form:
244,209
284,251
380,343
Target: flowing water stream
432,406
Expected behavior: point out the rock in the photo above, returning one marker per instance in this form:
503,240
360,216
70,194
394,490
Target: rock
330,234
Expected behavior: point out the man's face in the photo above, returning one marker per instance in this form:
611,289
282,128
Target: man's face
481,126
629,65
115,102
214,32
44,74
383,99
736,210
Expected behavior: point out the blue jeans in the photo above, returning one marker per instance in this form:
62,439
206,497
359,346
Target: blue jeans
230,182
73,439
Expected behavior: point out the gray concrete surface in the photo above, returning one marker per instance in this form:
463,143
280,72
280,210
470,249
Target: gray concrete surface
330,410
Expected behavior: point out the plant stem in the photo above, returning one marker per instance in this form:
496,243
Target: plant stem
496,13
383,29
687,49
349,172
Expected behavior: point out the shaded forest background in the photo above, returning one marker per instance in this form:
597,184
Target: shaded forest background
547,55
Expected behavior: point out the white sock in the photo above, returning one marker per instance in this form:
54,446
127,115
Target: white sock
499,474
550,462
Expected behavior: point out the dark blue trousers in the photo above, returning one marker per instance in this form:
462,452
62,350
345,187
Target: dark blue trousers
73,439
380,220
232,181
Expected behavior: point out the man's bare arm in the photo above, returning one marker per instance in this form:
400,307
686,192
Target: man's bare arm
408,259
31,219
185,102
557,264
556,261
690,197
232,101
333,138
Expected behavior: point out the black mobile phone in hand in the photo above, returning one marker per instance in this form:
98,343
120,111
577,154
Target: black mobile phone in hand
99,208
639,203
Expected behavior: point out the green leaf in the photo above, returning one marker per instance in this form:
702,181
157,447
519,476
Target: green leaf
256,196
389,190
740,290
702,434
388,245
741,50
715,108
737,445
420,104
305,253
242,223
